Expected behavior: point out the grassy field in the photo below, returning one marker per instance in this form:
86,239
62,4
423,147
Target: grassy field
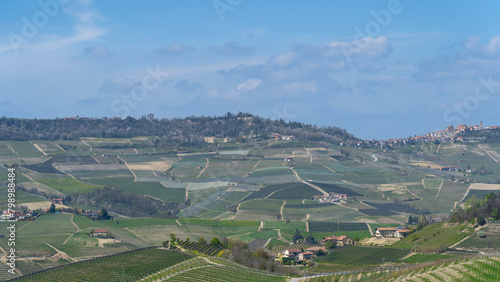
357,255
68,185
435,236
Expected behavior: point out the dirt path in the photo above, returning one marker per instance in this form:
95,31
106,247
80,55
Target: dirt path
296,175
253,168
62,254
29,177
237,211
465,195
440,187
12,150
307,224
374,158
59,146
487,153
437,150
56,167
77,227
178,222
137,235
310,156
261,226
281,210
412,193
136,152
84,142
329,169
203,170
369,228
39,149
135,176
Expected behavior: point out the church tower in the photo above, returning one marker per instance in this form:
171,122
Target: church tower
481,124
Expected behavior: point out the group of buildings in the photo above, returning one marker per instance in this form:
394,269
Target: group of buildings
277,136
332,198
448,134
391,232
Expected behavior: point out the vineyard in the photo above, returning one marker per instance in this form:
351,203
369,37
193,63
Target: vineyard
127,266
218,270
336,226
302,246
472,269
357,255
208,250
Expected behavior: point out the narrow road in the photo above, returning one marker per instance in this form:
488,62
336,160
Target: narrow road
281,210
203,170
310,156
369,228
135,176
296,175
488,153
374,158
39,149
439,191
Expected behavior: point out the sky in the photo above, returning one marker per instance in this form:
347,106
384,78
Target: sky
379,69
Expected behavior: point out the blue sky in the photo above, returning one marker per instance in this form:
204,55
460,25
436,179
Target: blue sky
380,69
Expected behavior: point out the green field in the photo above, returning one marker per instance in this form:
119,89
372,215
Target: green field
434,237
356,255
68,185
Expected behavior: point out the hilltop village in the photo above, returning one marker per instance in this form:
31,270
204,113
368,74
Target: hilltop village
451,133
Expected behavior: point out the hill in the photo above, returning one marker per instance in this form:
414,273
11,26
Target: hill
186,132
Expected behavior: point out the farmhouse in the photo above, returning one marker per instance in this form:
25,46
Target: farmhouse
391,232
100,233
339,241
315,249
58,201
306,255
291,252
452,168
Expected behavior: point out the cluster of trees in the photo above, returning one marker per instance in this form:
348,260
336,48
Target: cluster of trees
186,132
478,210
238,252
490,135
299,237
261,259
128,204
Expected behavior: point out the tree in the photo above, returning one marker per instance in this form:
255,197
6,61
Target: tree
172,237
330,245
215,242
278,216
104,214
310,239
297,236
52,208
202,240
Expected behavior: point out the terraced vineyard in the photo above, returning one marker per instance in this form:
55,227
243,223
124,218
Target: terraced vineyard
129,266
302,246
221,270
357,255
208,250
473,269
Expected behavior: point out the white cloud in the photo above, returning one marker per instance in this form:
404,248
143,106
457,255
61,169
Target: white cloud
98,51
174,49
248,85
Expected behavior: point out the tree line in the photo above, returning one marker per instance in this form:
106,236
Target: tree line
186,132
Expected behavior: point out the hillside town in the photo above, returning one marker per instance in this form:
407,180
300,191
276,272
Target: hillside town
451,133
